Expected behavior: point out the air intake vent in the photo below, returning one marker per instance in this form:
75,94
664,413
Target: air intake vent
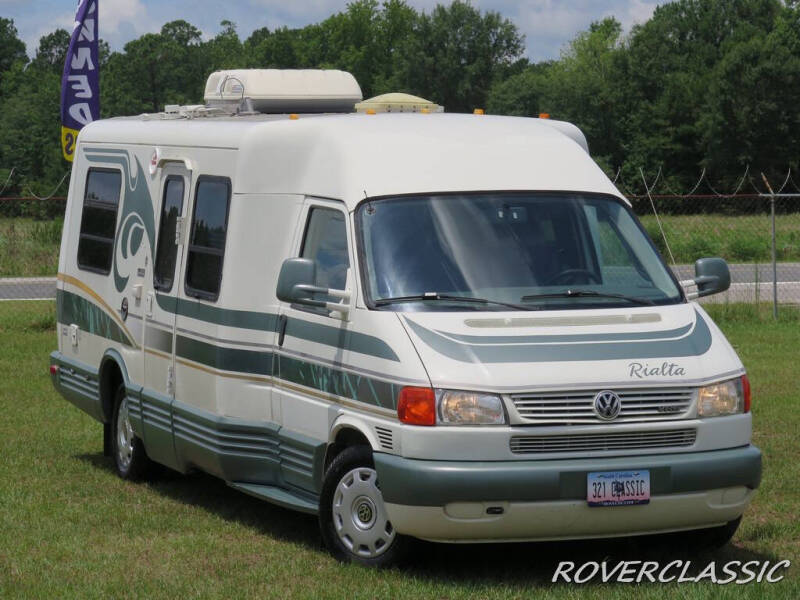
597,442
384,437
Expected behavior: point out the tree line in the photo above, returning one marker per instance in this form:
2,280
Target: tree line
709,84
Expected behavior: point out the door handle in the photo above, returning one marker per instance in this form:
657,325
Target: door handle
282,321
148,303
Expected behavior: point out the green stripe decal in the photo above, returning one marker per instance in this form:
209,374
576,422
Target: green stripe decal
158,339
695,341
309,374
569,339
298,328
90,317
340,338
237,360
243,319
77,310
340,383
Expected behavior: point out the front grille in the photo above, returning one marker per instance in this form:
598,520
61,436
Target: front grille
597,442
638,404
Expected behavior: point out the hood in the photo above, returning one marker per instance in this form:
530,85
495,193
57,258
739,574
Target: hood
517,352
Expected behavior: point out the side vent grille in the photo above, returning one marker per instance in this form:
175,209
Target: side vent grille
385,437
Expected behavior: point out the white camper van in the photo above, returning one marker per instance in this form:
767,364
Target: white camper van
441,326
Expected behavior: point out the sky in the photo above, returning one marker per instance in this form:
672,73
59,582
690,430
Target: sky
547,24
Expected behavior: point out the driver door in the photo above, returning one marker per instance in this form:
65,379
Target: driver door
311,340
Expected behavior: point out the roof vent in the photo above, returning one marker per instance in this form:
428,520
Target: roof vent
283,90
396,102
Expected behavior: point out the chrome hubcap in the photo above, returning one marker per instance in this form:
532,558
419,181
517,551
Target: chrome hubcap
359,516
124,436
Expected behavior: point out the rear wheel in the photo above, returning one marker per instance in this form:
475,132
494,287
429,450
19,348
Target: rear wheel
130,458
353,519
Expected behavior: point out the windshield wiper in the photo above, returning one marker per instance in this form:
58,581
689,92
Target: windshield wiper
436,296
588,294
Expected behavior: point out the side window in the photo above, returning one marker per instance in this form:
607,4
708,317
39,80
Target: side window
99,220
167,250
325,243
207,238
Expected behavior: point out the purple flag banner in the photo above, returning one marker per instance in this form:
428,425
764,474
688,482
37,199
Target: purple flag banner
80,85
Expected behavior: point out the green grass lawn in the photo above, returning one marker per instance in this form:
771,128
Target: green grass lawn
69,528
744,238
29,248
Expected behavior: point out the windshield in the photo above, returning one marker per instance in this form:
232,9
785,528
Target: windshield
511,251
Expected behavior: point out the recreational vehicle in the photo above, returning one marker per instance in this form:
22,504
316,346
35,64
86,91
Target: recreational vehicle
411,323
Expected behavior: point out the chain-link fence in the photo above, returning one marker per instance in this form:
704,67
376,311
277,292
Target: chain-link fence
30,237
737,228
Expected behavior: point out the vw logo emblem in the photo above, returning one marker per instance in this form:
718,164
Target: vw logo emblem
365,513
607,405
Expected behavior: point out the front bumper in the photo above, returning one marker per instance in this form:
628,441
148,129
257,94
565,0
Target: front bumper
448,500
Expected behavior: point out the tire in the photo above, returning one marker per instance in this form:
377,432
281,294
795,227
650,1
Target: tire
127,450
352,516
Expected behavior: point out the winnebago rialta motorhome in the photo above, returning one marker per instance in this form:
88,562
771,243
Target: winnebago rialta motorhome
413,325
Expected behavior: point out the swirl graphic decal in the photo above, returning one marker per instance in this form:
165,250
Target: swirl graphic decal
137,218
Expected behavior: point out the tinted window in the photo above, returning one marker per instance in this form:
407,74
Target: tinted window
99,220
531,249
207,240
167,251
325,243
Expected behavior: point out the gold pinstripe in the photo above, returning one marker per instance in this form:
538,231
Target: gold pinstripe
69,279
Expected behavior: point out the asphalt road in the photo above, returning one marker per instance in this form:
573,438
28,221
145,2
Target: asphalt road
28,288
749,282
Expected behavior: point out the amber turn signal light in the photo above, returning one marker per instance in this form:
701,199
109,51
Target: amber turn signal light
417,406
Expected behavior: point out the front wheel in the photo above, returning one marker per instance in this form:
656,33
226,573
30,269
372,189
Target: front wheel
130,458
352,516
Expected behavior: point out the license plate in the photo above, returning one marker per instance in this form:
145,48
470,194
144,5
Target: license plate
618,488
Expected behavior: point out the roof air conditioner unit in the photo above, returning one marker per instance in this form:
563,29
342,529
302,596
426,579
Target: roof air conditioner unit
284,91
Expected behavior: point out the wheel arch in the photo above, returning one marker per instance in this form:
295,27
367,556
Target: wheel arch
112,373
349,431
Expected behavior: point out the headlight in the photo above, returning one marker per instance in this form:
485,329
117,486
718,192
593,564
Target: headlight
726,398
469,408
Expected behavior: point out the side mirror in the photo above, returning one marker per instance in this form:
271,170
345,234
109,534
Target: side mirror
296,285
295,272
711,276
